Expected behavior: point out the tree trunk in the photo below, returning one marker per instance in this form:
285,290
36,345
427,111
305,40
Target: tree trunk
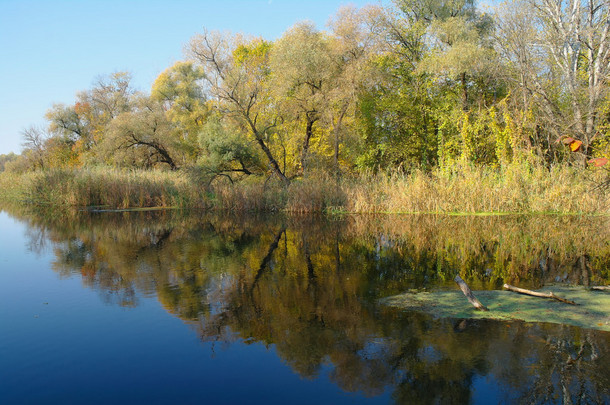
464,91
165,157
265,262
584,270
308,134
469,295
311,274
337,131
274,165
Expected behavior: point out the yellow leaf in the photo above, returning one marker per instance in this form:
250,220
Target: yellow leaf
575,145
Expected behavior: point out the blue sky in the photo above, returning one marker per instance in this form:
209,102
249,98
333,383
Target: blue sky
50,50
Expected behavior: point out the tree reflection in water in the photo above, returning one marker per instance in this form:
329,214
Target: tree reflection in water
309,286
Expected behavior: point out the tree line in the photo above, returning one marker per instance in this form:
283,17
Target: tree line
416,85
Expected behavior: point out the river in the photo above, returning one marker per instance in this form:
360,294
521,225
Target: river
173,307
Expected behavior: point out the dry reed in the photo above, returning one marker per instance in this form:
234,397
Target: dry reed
468,190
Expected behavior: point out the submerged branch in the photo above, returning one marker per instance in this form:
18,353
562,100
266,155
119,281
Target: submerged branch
468,293
537,294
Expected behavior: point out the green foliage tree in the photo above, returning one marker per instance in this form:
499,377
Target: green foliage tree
226,152
399,127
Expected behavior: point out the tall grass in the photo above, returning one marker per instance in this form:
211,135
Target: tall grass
110,188
518,188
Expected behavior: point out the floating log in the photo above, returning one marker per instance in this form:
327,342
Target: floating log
537,294
468,293
600,287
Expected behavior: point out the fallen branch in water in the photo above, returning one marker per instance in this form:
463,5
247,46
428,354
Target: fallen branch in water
537,294
471,298
600,287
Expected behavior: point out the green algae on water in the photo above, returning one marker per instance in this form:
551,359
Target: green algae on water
592,310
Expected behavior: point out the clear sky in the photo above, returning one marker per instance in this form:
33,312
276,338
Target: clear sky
50,50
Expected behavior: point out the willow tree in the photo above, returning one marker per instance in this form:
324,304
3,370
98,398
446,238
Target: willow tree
143,137
317,77
462,52
236,78
435,69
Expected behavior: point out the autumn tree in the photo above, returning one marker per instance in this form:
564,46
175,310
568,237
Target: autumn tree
82,126
237,77
301,63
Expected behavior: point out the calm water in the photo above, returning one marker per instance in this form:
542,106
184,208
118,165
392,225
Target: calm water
164,307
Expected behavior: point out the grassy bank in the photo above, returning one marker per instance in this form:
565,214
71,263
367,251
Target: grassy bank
102,187
515,189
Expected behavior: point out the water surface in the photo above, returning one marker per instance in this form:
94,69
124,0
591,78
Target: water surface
171,307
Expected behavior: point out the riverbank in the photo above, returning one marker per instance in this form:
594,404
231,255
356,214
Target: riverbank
467,190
